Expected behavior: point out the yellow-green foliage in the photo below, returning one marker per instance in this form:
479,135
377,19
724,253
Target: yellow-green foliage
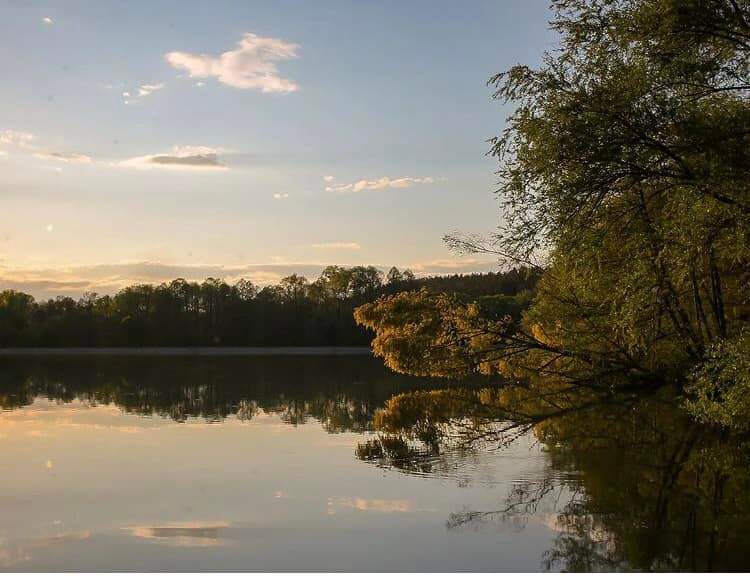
425,334
720,388
625,168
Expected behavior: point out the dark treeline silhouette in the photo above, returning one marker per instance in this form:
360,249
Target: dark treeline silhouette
294,312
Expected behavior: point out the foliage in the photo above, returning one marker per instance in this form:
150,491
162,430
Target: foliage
625,178
436,334
214,313
720,388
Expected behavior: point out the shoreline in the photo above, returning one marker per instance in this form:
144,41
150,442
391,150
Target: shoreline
193,351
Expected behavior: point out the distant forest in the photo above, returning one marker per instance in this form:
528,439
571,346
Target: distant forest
294,312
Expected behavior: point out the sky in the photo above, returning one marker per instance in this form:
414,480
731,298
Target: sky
144,141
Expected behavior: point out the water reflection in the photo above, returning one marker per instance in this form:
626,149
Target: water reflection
342,392
20,552
608,483
192,534
633,483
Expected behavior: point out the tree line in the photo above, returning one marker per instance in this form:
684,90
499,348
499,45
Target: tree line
293,312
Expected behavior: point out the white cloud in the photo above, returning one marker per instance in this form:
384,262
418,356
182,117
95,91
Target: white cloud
379,184
19,142
64,157
328,178
281,196
337,246
16,139
141,92
251,66
47,20
180,158
147,89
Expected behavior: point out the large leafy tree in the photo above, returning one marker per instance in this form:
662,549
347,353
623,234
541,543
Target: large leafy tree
625,175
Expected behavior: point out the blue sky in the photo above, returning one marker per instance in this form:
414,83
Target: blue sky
145,140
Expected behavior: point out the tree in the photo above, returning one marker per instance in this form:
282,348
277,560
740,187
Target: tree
246,290
15,314
624,176
214,313
294,287
394,275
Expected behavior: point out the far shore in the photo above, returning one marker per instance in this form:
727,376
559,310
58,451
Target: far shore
196,351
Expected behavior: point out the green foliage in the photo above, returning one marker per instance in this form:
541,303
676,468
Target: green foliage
414,332
627,161
720,388
624,175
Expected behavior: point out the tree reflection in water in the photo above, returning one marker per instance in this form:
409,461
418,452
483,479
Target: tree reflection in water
341,392
633,482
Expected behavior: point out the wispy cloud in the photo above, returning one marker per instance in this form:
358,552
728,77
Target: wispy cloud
281,196
25,143
16,139
379,184
142,91
328,178
64,157
180,158
147,89
251,66
47,20
337,246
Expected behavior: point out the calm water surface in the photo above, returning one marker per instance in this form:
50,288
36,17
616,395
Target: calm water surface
251,464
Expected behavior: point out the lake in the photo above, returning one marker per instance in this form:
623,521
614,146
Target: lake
274,463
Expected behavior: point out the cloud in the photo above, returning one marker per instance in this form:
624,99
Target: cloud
251,66
147,89
337,246
328,178
21,142
193,161
281,196
64,157
141,92
16,139
379,184
181,158
47,20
